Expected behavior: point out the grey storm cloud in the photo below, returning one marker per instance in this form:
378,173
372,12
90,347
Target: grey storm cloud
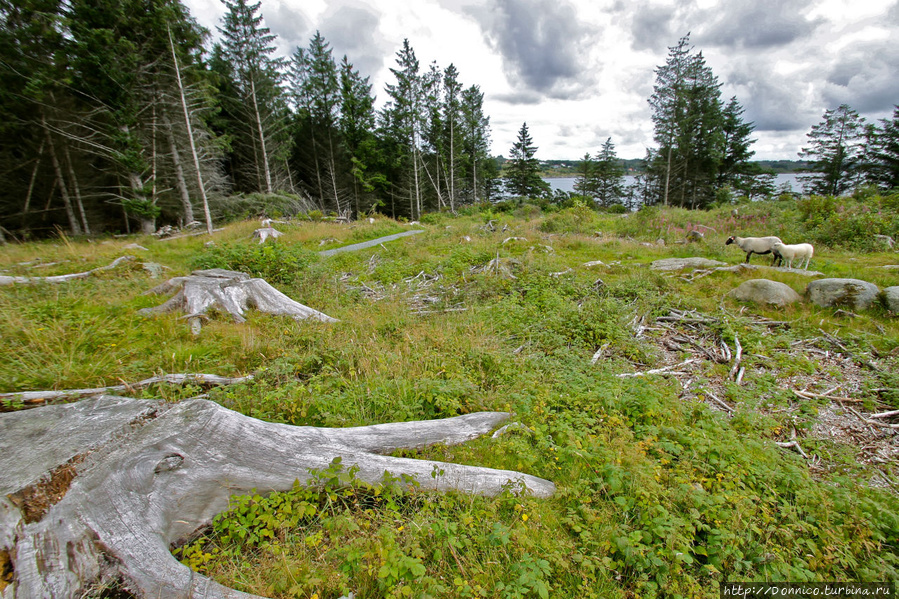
353,30
542,44
772,103
755,25
290,25
864,77
653,26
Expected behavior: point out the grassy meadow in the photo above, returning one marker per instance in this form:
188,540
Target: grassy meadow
667,484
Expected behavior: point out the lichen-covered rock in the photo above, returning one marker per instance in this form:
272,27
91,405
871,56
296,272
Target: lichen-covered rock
763,291
853,293
681,263
891,298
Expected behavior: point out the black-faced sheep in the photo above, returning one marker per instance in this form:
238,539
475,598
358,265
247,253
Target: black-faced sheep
798,251
754,245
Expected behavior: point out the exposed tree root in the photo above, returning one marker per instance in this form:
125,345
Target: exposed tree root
110,484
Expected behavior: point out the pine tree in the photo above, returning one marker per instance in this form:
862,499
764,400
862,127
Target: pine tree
523,172
403,114
834,152
357,124
585,182
257,111
689,127
608,176
736,144
452,119
434,156
315,87
33,102
881,163
476,144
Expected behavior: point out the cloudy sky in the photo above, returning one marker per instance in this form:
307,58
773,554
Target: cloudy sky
580,71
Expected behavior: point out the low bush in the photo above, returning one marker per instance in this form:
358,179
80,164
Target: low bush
274,262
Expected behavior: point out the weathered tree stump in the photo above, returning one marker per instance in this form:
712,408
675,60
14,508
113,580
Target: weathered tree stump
229,291
98,491
266,232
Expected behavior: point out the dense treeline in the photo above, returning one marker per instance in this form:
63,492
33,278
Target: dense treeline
115,116
119,117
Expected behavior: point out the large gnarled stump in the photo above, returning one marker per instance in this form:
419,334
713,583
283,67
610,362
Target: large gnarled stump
99,490
230,291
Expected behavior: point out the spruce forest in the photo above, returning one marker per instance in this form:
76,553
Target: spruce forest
116,118
196,231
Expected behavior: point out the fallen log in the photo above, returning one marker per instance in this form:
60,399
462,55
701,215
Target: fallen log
96,492
7,280
35,398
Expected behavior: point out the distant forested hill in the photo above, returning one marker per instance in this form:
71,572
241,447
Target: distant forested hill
569,168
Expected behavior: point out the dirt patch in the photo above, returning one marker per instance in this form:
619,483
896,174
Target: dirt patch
36,500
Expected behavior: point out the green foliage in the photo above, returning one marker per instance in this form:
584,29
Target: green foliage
251,205
579,220
849,222
657,494
276,263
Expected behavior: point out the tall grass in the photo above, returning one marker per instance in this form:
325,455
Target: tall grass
658,494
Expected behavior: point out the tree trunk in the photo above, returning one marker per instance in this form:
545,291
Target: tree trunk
74,227
37,164
452,165
268,174
333,177
190,136
77,190
96,492
187,208
668,174
474,179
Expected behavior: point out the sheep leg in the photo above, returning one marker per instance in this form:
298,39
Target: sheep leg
748,254
777,258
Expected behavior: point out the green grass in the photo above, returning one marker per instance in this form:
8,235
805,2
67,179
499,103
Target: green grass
659,494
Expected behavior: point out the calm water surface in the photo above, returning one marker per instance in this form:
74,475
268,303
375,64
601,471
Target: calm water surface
567,183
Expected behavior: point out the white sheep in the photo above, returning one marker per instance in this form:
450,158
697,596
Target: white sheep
754,245
798,251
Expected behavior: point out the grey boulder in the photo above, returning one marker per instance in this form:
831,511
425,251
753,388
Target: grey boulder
681,263
891,298
853,293
763,291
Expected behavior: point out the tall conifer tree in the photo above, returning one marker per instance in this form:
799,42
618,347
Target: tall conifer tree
834,152
523,172
258,122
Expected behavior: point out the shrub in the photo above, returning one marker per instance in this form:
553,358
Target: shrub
850,223
276,263
580,220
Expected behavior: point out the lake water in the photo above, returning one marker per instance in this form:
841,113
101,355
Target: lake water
567,183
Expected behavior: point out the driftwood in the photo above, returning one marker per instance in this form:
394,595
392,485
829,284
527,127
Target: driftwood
230,291
96,492
6,280
36,398
666,370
